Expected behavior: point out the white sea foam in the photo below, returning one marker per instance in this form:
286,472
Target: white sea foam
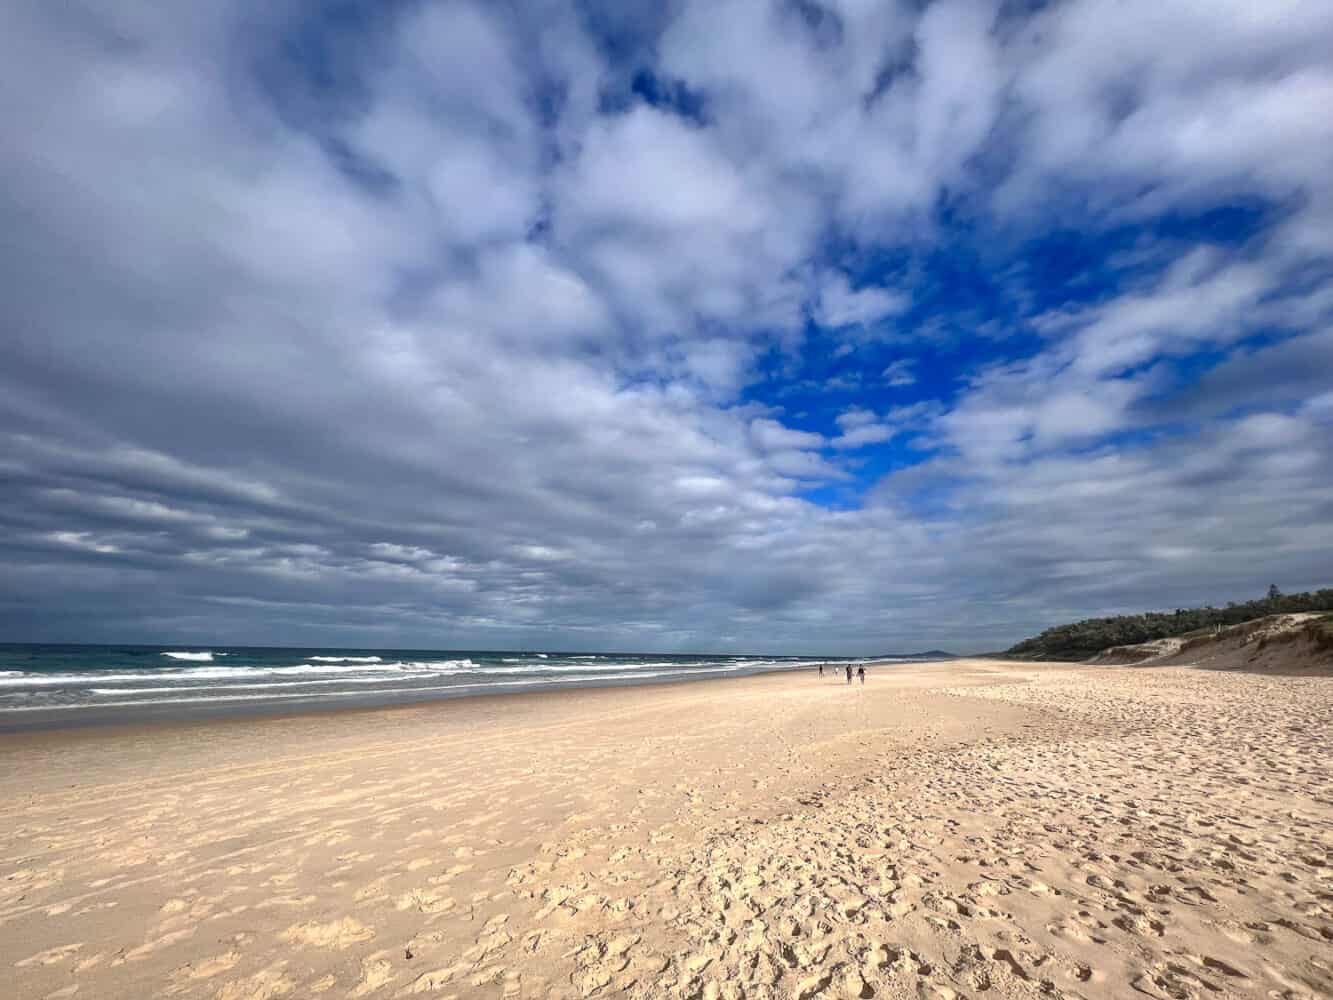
263,686
204,657
346,659
593,667
333,679
211,699
236,673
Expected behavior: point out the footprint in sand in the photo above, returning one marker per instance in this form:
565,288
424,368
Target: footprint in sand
267,984
214,966
49,957
148,947
337,934
375,973
425,901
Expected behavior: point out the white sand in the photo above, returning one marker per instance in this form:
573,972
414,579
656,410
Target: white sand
974,829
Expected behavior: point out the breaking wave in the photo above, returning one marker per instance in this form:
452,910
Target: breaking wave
19,679
115,678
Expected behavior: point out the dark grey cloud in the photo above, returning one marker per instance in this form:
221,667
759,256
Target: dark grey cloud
1283,374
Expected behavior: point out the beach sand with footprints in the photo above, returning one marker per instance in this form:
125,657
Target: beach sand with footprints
967,829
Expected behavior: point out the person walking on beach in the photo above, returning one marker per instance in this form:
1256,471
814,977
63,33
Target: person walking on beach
821,670
849,673
861,674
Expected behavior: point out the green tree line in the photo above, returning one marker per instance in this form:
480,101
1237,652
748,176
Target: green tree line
1090,636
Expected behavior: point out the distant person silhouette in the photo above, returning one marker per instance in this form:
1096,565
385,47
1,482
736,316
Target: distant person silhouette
861,673
821,670
849,673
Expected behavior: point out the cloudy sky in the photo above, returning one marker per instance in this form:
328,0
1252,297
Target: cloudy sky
813,326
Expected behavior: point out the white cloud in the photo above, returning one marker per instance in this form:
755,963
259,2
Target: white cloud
1123,104
840,305
856,417
859,437
771,435
861,427
899,373
555,303
804,465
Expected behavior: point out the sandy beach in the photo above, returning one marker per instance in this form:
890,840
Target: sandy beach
966,829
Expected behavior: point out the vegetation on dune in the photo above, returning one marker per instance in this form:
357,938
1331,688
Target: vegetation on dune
1092,635
1320,631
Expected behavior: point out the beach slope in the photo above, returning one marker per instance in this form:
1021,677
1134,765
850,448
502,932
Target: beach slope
967,829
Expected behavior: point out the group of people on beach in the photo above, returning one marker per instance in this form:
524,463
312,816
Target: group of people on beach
860,672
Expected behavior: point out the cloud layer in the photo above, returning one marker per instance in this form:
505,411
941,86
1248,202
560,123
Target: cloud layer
801,327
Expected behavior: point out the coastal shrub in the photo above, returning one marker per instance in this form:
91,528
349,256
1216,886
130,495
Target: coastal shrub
1090,636
1321,631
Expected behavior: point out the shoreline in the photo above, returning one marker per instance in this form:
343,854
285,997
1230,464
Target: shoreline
69,721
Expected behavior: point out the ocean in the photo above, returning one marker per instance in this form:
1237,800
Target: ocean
43,685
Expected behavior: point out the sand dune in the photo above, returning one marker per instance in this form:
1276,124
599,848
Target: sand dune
975,829
1288,643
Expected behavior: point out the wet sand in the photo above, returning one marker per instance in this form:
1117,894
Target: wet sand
971,829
